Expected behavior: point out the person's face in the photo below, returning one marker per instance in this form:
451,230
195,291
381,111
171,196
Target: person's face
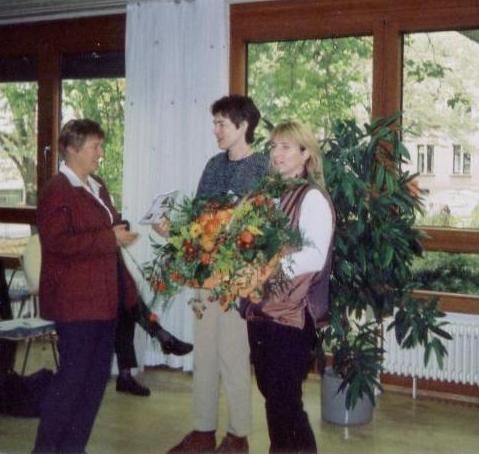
86,159
287,157
226,133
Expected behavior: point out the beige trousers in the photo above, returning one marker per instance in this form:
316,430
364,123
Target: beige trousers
221,354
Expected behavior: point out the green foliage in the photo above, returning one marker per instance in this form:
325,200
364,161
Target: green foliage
375,246
444,272
20,144
283,76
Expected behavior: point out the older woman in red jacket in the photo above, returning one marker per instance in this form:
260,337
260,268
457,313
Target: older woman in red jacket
80,236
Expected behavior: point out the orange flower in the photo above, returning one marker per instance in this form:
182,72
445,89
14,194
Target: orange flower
259,200
205,259
205,217
160,286
176,277
207,244
224,216
226,300
211,227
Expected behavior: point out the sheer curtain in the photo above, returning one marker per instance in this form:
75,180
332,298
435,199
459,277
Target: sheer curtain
176,66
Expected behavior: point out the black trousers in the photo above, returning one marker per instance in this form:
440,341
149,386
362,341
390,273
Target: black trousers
124,338
125,330
71,403
281,358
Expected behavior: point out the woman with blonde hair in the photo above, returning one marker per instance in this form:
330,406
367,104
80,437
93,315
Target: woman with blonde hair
281,328
302,135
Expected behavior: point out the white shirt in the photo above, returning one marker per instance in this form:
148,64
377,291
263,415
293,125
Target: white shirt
92,186
316,227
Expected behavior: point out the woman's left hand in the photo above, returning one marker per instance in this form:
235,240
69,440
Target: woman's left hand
251,280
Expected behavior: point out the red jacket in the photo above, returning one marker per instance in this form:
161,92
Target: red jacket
79,273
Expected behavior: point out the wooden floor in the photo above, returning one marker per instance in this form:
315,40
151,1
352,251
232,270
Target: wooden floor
128,424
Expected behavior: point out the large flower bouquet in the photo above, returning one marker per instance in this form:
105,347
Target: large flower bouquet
227,244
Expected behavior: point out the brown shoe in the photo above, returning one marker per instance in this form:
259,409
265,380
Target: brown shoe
233,444
196,441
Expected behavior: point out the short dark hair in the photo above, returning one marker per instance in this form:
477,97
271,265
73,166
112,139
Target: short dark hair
75,132
238,108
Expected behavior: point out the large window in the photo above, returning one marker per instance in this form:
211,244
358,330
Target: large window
424,62
34,60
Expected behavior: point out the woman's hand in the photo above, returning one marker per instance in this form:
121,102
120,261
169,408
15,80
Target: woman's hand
163,227
123,236
251,280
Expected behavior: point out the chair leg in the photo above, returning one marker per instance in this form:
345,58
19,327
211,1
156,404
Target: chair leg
54,349
27,353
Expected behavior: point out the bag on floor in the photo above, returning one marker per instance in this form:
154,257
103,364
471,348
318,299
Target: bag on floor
22,395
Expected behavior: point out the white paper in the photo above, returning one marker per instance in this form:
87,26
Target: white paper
159,207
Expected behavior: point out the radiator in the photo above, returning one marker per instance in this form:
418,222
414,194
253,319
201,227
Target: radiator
461,365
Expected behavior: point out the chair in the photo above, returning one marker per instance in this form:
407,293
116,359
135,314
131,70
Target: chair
34,327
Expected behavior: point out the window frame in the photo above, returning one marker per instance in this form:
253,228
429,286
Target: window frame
47,42
386,22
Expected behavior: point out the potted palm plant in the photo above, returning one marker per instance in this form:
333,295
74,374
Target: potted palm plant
376,203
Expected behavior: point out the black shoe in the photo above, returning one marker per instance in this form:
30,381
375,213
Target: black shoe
131,386
169,343
174,346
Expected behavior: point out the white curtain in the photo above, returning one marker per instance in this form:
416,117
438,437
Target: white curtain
176,66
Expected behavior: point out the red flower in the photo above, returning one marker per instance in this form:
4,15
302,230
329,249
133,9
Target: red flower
160,286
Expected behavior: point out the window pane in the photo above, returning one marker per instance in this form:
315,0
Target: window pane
440,103
445,272
317,81
456,166
466,167
94,87
430,158
18,144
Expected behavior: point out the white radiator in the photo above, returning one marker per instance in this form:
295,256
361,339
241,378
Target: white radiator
461,365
